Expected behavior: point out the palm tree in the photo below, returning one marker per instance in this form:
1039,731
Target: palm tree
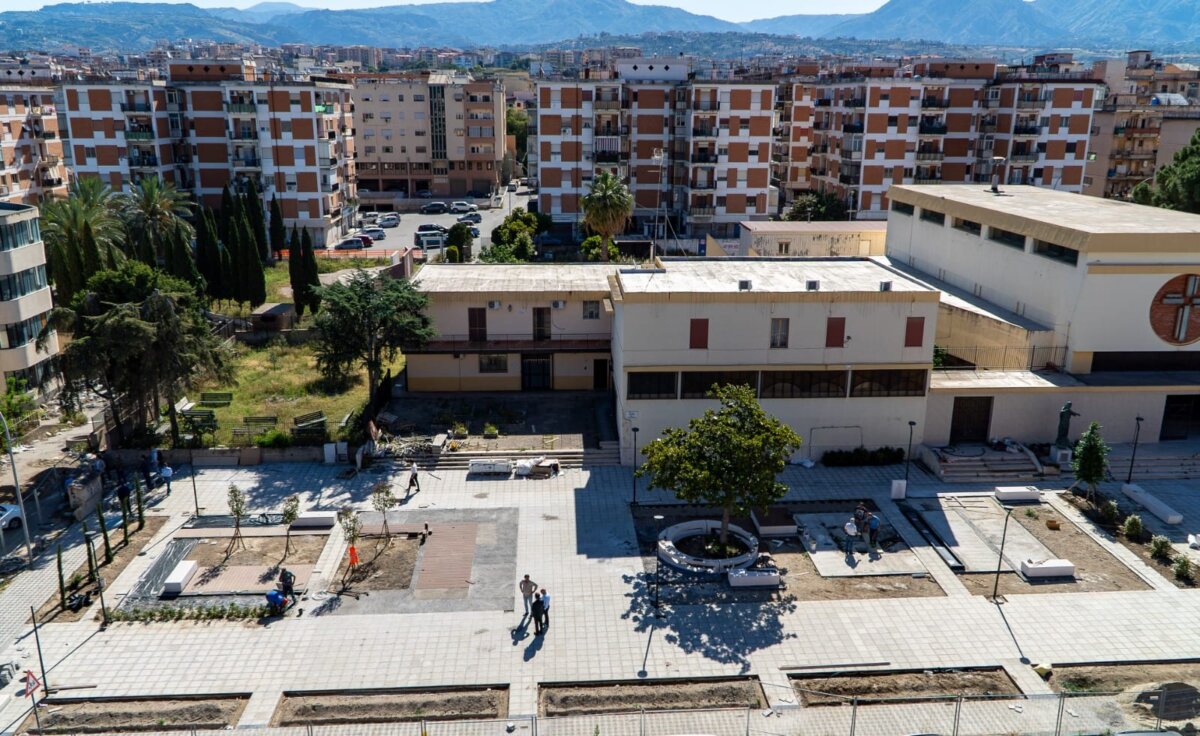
86,219
153,212
607,208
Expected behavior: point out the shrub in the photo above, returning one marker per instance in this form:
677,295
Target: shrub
1182,567
1133,528
459,429
860,456
489,428
1160,547
1110,511
276,438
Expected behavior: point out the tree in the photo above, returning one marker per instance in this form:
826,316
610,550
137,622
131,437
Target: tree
141,506
291,511
453,254
108,555
124,522
208,255
729,457
607,207
91,206
816,207
382,499
296,272
253,205
1176,186
93,574
312,274
460,237
236,499
590,249
277,231
152,212
1090,459
516,122
367,320
499,253
351,528
225,215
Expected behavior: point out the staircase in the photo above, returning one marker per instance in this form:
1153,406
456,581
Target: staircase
1160,467
1002,467
578,458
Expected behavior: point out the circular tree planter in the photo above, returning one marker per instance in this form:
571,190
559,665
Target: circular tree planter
669,553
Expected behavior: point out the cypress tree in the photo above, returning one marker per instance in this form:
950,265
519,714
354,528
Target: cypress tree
256,278
277,231
228,284
312,277
90,252
296,272
62,583
253,205
206,253
183,262
226,215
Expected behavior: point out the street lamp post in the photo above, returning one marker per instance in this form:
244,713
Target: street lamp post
91,543
195,495
1137,432
635,463
908,455
658,519
1000,556
17,492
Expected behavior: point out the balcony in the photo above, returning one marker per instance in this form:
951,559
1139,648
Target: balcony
606,104
325,109
927,180
241,108
1024,158
701,214
704,158
852,128
1145,132
704,186
247,135
849,155
46,135
246,162
931,129
855,102
930,155
1134,154
706,105
820,125
987,126
1030,103
934,103
51,182
850,180
139,135
823,102
143,162
135,107
606,157
580,342
704,132
1027,130
51,160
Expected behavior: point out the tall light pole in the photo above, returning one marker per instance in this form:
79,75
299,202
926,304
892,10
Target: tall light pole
635,465
17,491
195,495
658,519
1000,556
908,455
1136,433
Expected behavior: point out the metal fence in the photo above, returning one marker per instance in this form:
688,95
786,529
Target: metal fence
1016,358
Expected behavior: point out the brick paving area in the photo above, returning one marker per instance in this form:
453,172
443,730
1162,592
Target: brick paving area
446,558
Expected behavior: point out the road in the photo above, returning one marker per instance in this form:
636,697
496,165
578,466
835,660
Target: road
398,237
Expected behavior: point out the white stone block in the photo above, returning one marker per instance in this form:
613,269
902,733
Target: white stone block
1017,493
180,577
899,490
1151,503
315,520
1047,568
753,578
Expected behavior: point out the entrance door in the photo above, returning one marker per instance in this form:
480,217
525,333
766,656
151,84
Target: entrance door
477,324
541,323
1181,418
971,419
600,374
536,373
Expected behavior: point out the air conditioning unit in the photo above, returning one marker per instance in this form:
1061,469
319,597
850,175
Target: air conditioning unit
812,285
745,285
558,304
885,285
493,305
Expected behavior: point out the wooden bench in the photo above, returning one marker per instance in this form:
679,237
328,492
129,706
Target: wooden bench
313,419
219,398
258,425
243,435
183,405
200,421
310,435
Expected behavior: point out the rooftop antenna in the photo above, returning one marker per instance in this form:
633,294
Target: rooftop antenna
997,162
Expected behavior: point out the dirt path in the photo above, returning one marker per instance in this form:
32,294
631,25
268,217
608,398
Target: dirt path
394,706
633,696
892,686
804,582
96,716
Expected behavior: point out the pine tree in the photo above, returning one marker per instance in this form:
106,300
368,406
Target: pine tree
277,230
312,275
296,272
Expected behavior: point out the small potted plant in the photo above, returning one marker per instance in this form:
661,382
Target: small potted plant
459,430
490,431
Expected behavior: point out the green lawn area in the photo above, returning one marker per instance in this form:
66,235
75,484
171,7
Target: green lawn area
277,280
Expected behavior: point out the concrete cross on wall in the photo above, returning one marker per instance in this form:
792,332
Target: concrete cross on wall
1183,303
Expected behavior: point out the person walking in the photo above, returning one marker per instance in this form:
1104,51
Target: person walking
537,611
851,530
413,481
166,474
546,612
527,588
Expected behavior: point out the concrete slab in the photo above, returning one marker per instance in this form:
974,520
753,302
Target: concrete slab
824,539
972,526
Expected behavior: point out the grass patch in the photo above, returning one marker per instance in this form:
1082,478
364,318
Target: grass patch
279,284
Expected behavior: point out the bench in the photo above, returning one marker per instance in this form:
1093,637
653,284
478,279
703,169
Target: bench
1152,503
258,425
312,435
313,419
315,520
243,434
200,421
180,576
216,398
1017,493
183,405
490,467
1047,568
764,578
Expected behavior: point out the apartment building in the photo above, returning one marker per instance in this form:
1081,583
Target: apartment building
213,124
32,169
793,132
25,301
429,132
696,154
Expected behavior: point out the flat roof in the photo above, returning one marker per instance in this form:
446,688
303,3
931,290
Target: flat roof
499,278
766,276
837,226
1089,224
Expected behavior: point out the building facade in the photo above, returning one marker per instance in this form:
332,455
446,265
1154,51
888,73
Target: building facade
25,300
32,168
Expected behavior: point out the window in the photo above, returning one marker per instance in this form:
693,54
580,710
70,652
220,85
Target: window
19,234
835,332
1071,146
803,384
779,332
697,384
967,226
493,363
893,121
903,208
896,382
25,282
387,149
18,334
1006,237
933,216
418,98
651,386
698,337
591,309
89,152
914,332
1069,256
785,247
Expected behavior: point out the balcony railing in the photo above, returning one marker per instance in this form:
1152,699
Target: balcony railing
1030,103
930,155
1027,130
934,103
46,135
247,162
852,128
999,358
244,135
52,181
704,158
241,107
850,180
1023,158
706,105
704,186
704,132
135,107
606,104
607,157
143,162
931,129
849,155
701,213
1142,132
927,180
1134,154
524,342
139,135
855,102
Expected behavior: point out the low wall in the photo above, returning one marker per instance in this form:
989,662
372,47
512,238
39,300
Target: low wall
224,456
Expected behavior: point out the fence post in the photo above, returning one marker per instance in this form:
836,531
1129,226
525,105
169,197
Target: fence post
1162,696
957,712
747,720
642,723
853,714
1062,704
533,727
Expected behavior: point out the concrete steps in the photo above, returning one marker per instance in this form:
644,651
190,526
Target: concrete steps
991,467
1162,467
567,458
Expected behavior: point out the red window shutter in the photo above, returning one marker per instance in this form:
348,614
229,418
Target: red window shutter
699,336
914,332
835,332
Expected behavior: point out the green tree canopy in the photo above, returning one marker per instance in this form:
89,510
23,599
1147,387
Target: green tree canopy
729,457
517,123
460,237
1090,459
607,207
1177,185
816,207
153,212
90,207
277,230
311,274
591,249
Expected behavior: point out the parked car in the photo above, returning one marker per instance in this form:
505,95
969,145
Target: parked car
473,217
434,208
392,220
10,516
432,227
460,207
474,232
424,194
375,233
512,186
367,240
350,244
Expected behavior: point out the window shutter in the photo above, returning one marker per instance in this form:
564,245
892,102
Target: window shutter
914,332
835,332
699,336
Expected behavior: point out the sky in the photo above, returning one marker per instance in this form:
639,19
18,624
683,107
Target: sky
732,11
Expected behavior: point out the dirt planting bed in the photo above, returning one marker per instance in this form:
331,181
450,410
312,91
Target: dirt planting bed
893,686
105,715
1111,678
1140,547
626,697
382,565
267,551
396,705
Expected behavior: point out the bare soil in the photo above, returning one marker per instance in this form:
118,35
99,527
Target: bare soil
626,697
306,549
382,565
123,554
1111,678
97,716
399,705
1140,547
1095,569
803,581
893,686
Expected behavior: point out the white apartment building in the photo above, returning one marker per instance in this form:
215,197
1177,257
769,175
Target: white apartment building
25,300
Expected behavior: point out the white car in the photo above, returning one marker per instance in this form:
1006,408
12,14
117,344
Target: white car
10,516
375,233
459,208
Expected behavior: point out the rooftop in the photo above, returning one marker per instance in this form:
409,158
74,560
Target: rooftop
1074,220
837,226
766,276
504,278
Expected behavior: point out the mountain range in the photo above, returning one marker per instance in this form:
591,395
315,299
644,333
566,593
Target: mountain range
516,23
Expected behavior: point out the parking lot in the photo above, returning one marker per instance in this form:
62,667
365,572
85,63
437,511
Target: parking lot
398,237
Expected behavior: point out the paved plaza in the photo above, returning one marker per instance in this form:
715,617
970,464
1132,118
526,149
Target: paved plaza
574,534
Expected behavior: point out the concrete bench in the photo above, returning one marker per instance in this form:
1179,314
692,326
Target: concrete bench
490,467
1017,493
1047,568
180,577
768,578
1151,503
315,520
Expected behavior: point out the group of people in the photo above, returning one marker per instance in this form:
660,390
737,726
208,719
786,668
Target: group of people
111,470
537,605
282,595
863,523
